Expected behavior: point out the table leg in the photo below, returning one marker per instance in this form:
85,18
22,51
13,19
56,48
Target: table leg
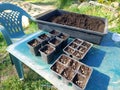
18,66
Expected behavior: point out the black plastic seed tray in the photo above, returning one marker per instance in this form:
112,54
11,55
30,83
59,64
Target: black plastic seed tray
72,71
77,49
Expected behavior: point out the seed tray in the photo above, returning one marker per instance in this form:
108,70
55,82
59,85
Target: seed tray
77,48
72,71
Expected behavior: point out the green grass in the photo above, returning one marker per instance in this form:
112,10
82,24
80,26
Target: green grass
32,81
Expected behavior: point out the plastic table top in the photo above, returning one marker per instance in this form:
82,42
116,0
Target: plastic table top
103,58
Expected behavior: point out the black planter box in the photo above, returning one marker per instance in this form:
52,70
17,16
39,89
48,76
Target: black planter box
85,34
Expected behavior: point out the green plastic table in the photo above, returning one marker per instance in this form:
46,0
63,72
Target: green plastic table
103,58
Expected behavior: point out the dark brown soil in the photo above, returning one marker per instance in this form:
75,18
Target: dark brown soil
64,59
84,70
82,49
80,21
79,80
69,50
73,45
77,41
54,32
78,54
57,67
62,36
55,41
86,44
74,65
68,73
43,37
34,42
47,49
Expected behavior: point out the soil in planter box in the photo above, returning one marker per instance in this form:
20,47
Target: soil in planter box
79,80
80,21
64,59
74,65
47,49
68,73
84,70
58,68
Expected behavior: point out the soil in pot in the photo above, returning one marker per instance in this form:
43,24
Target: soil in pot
47,49
63,36
80,21
34,45
78,54
68,73
34,42
82,49
74,65
87,45
57,67
73,45
55,42
54,32
84,70
78,41
69,50
43,37
64,59
79,80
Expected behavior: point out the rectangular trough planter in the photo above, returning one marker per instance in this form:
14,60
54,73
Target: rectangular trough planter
89,28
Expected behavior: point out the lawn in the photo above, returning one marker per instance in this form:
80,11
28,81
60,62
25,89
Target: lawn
32,81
